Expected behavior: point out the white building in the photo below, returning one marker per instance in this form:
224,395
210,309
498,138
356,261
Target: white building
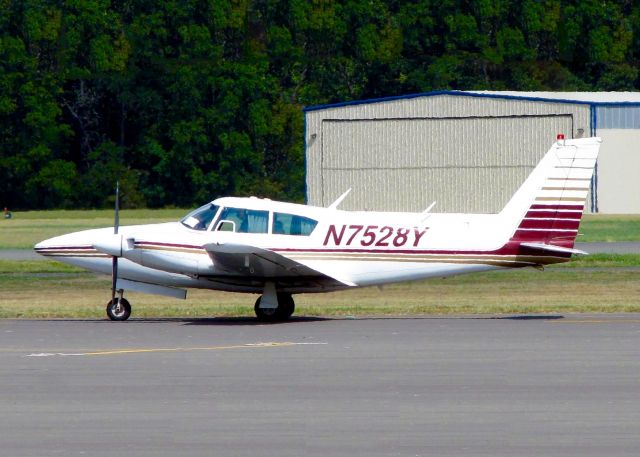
467,151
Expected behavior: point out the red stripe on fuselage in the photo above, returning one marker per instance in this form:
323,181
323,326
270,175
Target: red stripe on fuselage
511,248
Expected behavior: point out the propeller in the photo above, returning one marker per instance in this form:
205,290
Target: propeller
114,261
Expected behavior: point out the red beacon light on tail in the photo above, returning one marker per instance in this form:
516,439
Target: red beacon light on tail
560,136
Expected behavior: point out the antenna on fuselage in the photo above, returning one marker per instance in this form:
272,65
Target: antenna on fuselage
426,213
335,204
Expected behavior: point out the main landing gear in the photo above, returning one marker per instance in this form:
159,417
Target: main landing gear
119,308
273,306
284,310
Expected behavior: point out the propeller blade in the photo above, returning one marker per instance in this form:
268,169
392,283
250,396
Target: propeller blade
116,222
114,261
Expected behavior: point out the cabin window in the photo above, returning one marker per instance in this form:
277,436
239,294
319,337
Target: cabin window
290,224
201,218
243,220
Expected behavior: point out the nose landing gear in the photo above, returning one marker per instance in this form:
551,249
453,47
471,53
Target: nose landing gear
119,308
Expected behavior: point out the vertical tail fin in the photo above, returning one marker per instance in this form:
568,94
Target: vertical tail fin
548,207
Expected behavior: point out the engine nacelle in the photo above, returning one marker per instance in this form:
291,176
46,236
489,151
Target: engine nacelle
172,262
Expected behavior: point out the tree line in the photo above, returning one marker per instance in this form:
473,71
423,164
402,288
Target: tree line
184,101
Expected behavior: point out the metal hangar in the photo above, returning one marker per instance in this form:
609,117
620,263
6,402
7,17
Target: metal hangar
467,151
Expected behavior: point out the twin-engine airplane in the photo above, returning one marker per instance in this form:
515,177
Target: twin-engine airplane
279,249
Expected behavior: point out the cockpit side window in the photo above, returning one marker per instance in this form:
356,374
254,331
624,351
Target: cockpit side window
245,220
201,218
290,224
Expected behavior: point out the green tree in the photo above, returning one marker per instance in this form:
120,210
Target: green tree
185,101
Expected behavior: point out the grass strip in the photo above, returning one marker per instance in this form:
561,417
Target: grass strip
609,228
84,295
601,261
100,214
36,266
28,228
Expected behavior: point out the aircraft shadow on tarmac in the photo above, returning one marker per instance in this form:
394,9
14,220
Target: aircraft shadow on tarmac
197,320
300,319
248,321
251,321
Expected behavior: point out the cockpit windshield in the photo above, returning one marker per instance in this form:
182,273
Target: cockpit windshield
201,218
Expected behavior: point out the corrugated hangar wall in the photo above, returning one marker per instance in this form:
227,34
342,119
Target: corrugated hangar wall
468,154
619,160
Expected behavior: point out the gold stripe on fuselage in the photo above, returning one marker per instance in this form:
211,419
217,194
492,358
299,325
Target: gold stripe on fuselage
472,259
511,260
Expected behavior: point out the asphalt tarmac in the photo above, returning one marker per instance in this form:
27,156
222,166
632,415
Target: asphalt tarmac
459,386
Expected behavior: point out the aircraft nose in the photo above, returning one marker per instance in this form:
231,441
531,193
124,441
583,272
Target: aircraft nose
42,246
64,245
52,246
75,245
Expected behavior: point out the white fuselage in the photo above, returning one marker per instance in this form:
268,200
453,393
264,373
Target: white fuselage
255,245
360,248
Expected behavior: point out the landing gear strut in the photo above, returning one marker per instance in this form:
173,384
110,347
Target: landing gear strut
284,310
119,308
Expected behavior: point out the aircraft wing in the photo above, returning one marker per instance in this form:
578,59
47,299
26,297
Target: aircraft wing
248,260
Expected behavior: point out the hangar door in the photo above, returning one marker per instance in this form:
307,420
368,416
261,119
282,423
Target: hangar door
464,164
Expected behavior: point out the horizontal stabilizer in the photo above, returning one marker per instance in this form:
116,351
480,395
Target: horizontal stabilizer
554,249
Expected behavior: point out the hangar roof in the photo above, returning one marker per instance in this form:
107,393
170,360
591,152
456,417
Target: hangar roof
587,98
591,97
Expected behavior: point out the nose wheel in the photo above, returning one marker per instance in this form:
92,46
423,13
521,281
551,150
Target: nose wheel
118,309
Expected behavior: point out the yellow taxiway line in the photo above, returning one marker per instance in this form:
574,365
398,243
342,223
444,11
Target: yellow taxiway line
178,349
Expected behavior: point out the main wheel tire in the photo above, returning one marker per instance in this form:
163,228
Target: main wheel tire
265,314
285,309
286,306
118,313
